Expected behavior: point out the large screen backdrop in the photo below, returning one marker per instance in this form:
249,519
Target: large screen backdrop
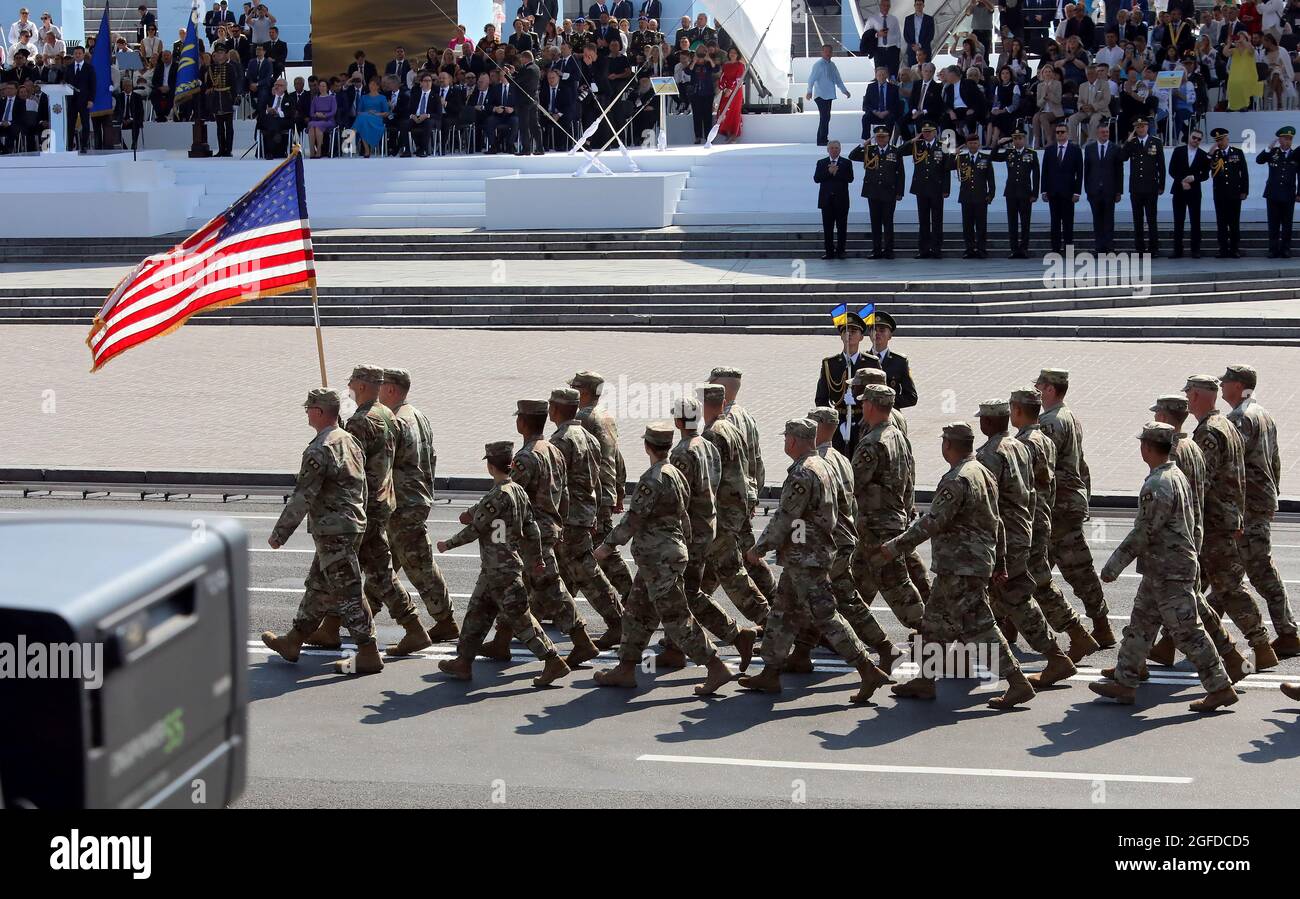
342,27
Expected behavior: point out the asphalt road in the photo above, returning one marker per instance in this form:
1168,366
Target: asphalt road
410,737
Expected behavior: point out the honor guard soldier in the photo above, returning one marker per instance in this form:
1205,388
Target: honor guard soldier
1231,178
930,185
975,191
1281,191
834,381
883,185
1145,155
1021,191
898,371
221,87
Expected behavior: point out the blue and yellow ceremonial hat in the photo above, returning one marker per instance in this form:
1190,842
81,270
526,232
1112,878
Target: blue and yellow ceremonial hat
864,318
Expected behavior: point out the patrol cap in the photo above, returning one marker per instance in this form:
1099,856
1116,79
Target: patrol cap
1027,396
868,375
498,448
1170,402
370,374
589,379
322,398
884,318
880,129
927,126
720,373
1019,132
972,136
1158,432
994,408
1202,382
1141,120
565,396
530,407
1241,374
801,428
1057,377
1286,131
713,393
958,430
824,415
1218,132
660,434
399,376
685,408
878,395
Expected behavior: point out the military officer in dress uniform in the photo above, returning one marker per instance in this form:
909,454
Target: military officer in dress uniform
1145,155
834,381
898,373
1231,178
883,186
1021,190
975,191
931,186
1281,191
221,87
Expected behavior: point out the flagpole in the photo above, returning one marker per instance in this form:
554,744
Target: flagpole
320,342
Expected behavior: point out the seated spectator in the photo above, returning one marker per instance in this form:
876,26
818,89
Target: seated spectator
321,117
501,126
1005,103
11,126
369,123
52,47
397,121
558,129
426,114
1049,102
163,82
24,42
128,111
360,65
35,114
1281,92
275,119
151,46
881,104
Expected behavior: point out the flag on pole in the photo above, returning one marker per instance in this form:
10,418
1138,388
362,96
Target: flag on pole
187,67
259,247
102,62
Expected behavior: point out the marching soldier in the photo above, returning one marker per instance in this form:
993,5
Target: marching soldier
221,86
975,191
1281,191
414,460
729,378
802,533
1021,190
613,473
834,381
883,185
1024,408
931,186
658,524
1011,598
331,493
1145,155
1225,499
968,550
502,523
1231,179
574,551
1162,540
1263,465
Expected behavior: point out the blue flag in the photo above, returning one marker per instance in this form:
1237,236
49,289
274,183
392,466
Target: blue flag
187,67
102,63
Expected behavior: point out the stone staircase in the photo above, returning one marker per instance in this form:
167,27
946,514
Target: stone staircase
122,17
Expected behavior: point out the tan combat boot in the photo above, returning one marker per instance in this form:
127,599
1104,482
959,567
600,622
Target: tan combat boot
289,646
1018,690
1059,668
1102,633
766,681
327,635
1162,652
1143,674
444,631
916,688
583,649
717,674
1212,701
670,658
460,668
1081,642
873,679
1286,646
498,648
1111,690
1235,664
889,655
621,675
416,639
799,661
1291,691
1265,658
746,637
612,637
554,669
366,661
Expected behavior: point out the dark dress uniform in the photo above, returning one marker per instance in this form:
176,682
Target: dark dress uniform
1231,179
221,86
1280,193
930,185
1187,201
832,382
1146,181
883,185
1021,192
898,375
976,189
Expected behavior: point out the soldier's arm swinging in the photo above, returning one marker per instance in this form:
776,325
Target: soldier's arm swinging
310,479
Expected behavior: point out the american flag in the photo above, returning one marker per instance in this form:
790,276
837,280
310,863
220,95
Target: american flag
259,247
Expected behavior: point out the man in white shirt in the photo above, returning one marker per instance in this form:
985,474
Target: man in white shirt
883,39
23,24
1112,54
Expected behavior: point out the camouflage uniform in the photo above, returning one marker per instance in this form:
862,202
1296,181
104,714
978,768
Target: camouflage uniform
1263,476
726,565
414,460
331,493
1225,499
1008,461
1042,458
375,430
1163,542
882,485
1069,550
744,422
613,477
658,524
916,569
581,452
538,468
802,531
503,524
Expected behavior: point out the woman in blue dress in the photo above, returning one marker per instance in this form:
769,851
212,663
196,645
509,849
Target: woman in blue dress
370,118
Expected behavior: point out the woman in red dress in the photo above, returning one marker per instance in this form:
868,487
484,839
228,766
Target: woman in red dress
730,97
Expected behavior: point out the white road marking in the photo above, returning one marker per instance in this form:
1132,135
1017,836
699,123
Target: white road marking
436,556
913,769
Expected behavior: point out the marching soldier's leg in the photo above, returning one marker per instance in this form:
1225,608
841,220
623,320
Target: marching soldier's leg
784,623
408,536
1257,554
891,579
727,566
1176,604
666,585
383,589
1221,563
857,613
1070,554
974,619
586,575
525,628
615,567
1143,623
1016,598
1060,616
940,623
558,604
708,613
917,574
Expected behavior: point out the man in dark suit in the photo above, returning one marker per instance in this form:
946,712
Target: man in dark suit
364,66
163,89
277,51
1231,177
259,76
963,103
399,66
527,80
1188,167
300,103
1178,33
651,9
1145,155
452,100
398,119
833,175
542,11
35,117
11,124
918,32
559,106
1062,183
881,104
426,114
1103,182
81,78
274,120
622,9
835,379
505,105
898,372
925,102
128,111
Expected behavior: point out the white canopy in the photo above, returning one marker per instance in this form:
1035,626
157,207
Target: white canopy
747,21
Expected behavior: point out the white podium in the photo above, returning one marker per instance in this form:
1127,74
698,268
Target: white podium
57,141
